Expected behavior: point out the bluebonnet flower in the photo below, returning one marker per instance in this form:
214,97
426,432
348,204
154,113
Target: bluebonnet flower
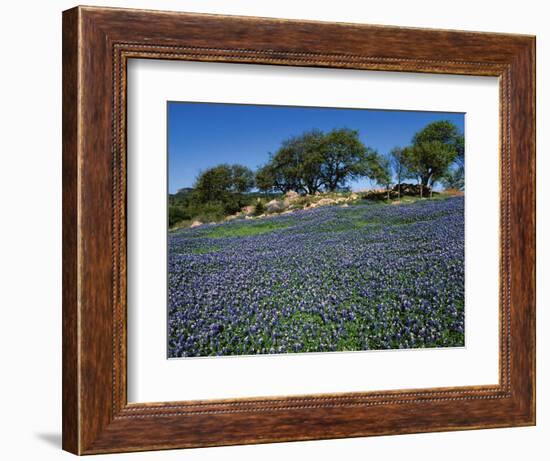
364,277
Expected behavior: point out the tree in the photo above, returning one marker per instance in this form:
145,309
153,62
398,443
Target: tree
213,184
295,166
442,131
225,184
382,172
459,144
277,175
433,150
344,157
242,179
429,161
411,165
454,179
266,178
308,150
398,163
315,161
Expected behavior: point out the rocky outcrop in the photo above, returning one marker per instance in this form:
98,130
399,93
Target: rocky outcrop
326,201
248,210
291,197
274,206
411,189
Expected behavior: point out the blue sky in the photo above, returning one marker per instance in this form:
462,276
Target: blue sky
201,135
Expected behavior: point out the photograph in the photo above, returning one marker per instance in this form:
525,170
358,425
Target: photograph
313,229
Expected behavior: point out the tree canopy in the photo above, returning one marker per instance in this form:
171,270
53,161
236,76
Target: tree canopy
345,157
382,173
433,151
225,184
454,179
429,161
442,131
295,166
315,161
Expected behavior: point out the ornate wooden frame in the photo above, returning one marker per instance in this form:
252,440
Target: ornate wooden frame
97,43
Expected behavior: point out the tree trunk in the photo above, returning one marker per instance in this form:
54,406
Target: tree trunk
425,179
399,179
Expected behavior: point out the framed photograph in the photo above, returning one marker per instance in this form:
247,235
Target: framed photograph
282,230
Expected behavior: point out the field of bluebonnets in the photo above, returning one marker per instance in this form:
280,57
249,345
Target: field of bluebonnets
368,276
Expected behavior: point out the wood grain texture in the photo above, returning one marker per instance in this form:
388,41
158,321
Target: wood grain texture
70,383
97,43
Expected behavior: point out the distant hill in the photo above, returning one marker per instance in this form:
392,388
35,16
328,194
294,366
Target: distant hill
183,192
181,196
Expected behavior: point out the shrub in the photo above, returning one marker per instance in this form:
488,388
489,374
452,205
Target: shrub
259,209
378,195
232,205
209,212
177,214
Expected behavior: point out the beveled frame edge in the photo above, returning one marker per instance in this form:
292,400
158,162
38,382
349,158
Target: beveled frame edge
97,42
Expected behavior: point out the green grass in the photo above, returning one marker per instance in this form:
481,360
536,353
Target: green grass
204,250
245,229
408,199
354,218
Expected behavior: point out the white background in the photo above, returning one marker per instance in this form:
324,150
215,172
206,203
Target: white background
153,378
30,243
